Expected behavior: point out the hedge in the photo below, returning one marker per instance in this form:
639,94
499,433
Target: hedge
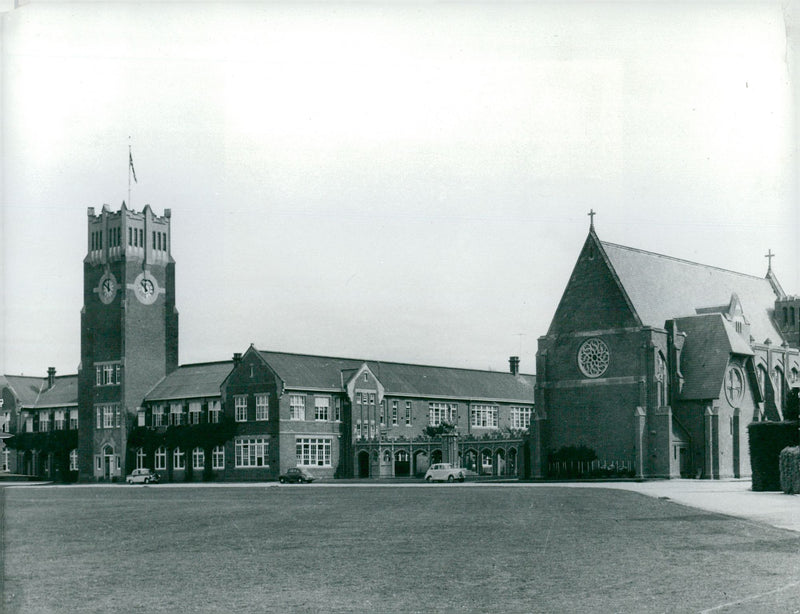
790,470
767,439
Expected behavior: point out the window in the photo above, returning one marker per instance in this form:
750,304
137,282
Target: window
314,451
60,420
297,407
161,458
198,459
520,417
5,421
394,413
408,413
178,459
484,416
383,413
252,452
194,412
73,418
141,418
337,410
73,460
357,429
372,398
240,408
141,458
214,409
108,374
218,457
358,398
662,381
158,415
176,414
29,423
108,415
321,408
442,412
262,407
130,236
44,421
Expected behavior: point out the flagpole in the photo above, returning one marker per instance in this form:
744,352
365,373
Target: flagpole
130,206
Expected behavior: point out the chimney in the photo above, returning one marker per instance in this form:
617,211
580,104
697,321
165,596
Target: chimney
513,364
51,377
237,358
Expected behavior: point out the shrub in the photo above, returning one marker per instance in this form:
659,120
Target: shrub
790,470
767,439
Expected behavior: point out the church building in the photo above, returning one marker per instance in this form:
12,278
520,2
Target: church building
659,364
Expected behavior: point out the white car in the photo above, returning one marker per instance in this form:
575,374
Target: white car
444,472
142,476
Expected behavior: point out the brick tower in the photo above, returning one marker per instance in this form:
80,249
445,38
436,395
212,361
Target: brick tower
129,331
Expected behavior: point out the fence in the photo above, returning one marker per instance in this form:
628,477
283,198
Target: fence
591,469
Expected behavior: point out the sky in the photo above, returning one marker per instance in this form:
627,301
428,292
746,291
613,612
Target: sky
397,181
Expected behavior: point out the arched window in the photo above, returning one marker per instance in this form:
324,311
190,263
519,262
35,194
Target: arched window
794,375
387,456
402,456
198,459
662,381
761,375
777,386
141,457
178,459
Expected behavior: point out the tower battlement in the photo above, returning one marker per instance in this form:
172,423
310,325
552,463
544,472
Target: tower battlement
129,235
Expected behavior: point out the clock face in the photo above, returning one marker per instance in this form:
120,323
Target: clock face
107,288
146,288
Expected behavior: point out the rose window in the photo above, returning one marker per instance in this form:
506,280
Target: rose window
593,357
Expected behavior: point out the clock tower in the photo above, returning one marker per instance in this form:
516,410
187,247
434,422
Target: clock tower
129,331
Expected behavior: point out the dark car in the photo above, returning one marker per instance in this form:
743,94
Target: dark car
296,475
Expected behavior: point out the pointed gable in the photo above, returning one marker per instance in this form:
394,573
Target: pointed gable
594,298
662,288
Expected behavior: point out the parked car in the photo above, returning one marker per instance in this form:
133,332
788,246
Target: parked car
142,476
296,474
440,472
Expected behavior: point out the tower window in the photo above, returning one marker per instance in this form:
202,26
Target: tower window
130,236
141,237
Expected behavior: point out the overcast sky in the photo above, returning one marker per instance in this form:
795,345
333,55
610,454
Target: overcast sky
398,181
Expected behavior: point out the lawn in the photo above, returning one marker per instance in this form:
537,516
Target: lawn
450,548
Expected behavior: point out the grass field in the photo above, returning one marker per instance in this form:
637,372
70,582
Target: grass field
377,549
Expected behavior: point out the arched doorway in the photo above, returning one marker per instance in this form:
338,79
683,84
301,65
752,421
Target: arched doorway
486,462
436,456
421,462
402,463
500,461
512,461
363,464
108,461
471,461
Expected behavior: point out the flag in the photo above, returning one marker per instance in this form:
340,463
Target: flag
130,164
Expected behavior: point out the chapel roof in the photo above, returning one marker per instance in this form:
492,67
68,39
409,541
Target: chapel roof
191,381
710,341
324,372
662,288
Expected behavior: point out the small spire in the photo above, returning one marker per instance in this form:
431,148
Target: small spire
591,215
769,256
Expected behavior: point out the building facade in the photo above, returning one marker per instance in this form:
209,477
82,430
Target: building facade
658,364
253,417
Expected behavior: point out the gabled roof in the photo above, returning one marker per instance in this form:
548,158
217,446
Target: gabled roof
33,391
661,288
191,381
324,372
64,392
710,341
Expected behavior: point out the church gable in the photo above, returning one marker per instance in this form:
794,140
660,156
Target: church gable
594,299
